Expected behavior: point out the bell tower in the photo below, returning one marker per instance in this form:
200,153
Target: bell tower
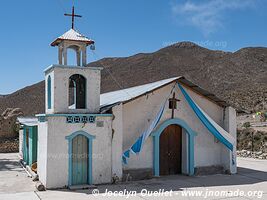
72,89
72,39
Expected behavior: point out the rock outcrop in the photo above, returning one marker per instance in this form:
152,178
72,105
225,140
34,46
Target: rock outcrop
8,128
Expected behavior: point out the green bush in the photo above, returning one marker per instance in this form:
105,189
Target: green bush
246,124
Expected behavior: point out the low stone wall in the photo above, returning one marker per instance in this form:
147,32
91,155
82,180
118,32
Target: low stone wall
250,154
8,127
137,174
10,145
209,170
250,139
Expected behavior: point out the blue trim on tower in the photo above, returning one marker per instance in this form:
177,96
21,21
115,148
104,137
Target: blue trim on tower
73,115
156,139
91,117
90,155
49,95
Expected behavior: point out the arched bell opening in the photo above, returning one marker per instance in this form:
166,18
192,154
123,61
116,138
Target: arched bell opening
77,92
74,55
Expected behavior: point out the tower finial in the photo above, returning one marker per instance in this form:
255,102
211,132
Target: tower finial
72,15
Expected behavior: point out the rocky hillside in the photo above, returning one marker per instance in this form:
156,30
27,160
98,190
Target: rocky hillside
29,99
239,78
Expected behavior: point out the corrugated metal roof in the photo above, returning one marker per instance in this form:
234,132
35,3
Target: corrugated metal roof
118,96
28,121
72,35
121,96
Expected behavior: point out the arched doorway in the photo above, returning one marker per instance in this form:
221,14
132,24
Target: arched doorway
189,144
79,160
170,158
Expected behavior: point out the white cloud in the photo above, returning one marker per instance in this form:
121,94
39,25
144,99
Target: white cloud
208,15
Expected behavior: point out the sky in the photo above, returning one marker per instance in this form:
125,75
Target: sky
120,28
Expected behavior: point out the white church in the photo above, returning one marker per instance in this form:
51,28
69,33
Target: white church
162,128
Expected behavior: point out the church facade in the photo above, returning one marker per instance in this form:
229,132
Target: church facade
163,128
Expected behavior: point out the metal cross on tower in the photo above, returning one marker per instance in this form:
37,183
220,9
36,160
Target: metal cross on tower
73,15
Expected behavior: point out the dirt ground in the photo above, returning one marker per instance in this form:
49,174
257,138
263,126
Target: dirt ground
251,179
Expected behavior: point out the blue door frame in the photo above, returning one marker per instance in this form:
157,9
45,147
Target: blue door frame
25,147
90,143
156,139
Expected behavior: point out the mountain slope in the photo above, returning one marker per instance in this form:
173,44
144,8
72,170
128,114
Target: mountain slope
240,78
30,99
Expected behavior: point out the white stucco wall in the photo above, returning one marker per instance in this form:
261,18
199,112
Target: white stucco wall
229,161
55,145
60,88
21,143
117,126
142,110
42,152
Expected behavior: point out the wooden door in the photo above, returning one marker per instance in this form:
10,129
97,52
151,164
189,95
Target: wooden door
171,150
79,160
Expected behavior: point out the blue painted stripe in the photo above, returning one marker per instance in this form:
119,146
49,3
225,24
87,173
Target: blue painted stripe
70,162
191,168
90,166
205,121
49,96
26,140
24,144
156,155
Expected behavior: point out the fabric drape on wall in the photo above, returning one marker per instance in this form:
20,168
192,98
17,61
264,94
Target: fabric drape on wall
137,146
223,136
